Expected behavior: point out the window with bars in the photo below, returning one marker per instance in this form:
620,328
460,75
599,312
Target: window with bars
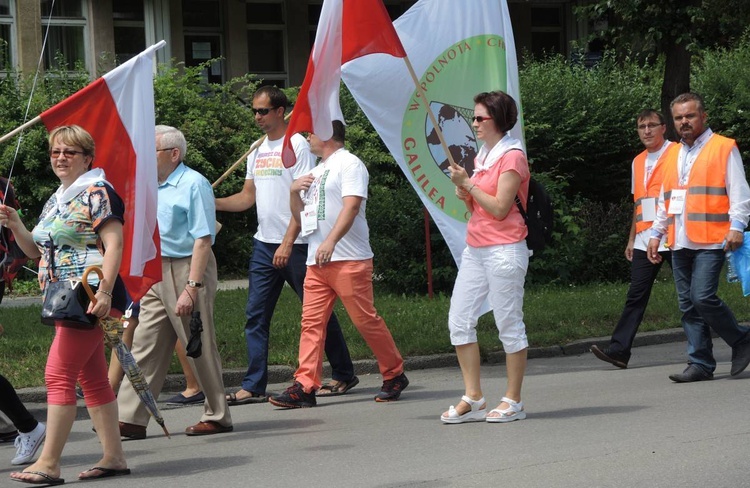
7,42
129,29
203,34
547,30
266,41
67,23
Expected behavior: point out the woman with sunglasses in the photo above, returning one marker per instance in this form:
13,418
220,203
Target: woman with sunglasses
84,215
493,265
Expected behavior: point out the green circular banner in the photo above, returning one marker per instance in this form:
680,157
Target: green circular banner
471,66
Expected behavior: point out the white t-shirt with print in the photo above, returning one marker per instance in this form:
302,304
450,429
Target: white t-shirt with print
342,174
272,184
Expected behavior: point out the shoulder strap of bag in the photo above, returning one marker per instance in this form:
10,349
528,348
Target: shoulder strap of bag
51,271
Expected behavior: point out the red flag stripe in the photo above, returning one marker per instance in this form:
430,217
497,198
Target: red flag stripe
347,29
125,150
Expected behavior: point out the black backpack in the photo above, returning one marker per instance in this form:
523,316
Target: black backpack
538,216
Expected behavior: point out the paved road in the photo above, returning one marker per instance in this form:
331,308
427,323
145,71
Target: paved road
588,425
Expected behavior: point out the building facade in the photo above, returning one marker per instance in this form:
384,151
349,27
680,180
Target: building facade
270,38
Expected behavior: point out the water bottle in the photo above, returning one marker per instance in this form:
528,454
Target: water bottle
731,273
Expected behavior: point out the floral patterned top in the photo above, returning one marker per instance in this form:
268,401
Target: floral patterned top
73,226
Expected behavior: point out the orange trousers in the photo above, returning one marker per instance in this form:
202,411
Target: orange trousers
351,281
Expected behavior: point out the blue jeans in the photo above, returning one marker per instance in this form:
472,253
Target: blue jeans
266,283
696,277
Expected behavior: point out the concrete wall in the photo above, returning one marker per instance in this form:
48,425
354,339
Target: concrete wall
29,31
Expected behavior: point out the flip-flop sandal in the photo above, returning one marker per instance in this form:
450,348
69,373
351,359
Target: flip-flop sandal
105,473
232,399
46,480
334,388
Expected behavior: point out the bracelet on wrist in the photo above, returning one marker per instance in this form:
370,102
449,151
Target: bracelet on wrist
471,188
108,293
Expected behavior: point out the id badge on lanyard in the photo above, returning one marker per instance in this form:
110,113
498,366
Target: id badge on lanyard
648,209
309,220
677,201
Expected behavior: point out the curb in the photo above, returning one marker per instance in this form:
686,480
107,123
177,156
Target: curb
284,374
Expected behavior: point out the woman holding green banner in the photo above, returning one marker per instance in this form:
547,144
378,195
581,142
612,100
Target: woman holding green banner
493,265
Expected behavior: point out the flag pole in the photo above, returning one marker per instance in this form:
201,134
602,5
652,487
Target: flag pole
422,95
38,118
244,156
21,128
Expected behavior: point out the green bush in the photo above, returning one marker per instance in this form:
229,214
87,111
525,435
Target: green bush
580,135
580,123
722,77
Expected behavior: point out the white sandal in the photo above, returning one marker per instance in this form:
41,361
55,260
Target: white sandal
476,414
513,412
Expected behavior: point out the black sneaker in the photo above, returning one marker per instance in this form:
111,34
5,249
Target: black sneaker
617,358
9,436
294,397
392,389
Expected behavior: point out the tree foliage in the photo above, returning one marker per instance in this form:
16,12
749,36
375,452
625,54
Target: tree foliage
580,135
676,29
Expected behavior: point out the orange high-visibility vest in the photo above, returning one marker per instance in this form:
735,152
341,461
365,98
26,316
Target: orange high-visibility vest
651,188
706,214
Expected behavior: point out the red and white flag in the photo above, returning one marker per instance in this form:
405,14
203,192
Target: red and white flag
118,111
347,29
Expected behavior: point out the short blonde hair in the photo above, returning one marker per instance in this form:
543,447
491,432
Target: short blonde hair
73,135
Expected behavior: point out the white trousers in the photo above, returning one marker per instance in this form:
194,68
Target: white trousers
496,273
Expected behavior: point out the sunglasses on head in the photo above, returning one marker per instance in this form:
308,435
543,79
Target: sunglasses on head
262,111
479,118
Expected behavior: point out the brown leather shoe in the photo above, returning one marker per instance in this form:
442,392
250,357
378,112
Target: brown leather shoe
207,428
132,431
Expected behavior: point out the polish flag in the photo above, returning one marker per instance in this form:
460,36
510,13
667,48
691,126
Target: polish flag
348,29
118,111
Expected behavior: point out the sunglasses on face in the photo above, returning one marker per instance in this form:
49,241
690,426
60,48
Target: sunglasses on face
479,118
262,111
67,153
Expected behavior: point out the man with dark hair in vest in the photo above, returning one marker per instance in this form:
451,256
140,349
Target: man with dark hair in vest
647,175
704,207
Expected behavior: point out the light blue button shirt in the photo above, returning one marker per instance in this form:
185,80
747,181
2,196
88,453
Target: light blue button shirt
186,212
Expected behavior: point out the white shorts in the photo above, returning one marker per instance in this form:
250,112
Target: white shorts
496,273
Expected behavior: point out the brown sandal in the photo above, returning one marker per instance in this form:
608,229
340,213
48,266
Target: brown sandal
334,388
253,398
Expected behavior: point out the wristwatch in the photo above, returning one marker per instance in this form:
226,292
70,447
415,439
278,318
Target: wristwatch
194,284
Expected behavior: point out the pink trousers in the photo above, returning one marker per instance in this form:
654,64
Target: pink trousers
77,355
351,281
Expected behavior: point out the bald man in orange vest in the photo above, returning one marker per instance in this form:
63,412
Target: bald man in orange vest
704,207
647,175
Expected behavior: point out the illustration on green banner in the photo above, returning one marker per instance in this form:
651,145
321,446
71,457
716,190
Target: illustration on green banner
471,66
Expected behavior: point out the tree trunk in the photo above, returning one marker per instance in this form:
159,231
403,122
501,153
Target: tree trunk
676,80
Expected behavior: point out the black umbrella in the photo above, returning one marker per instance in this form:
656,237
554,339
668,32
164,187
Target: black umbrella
195,345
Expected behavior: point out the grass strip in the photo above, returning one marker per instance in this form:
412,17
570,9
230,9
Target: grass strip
553,315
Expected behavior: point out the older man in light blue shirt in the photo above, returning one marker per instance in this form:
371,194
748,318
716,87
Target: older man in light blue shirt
187,227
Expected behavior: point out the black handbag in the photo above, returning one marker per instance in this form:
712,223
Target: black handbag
66,301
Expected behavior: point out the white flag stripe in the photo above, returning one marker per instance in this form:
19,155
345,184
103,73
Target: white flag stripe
436,35
132,89
323,96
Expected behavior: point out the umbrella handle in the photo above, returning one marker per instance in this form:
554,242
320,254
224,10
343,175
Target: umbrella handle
86,286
